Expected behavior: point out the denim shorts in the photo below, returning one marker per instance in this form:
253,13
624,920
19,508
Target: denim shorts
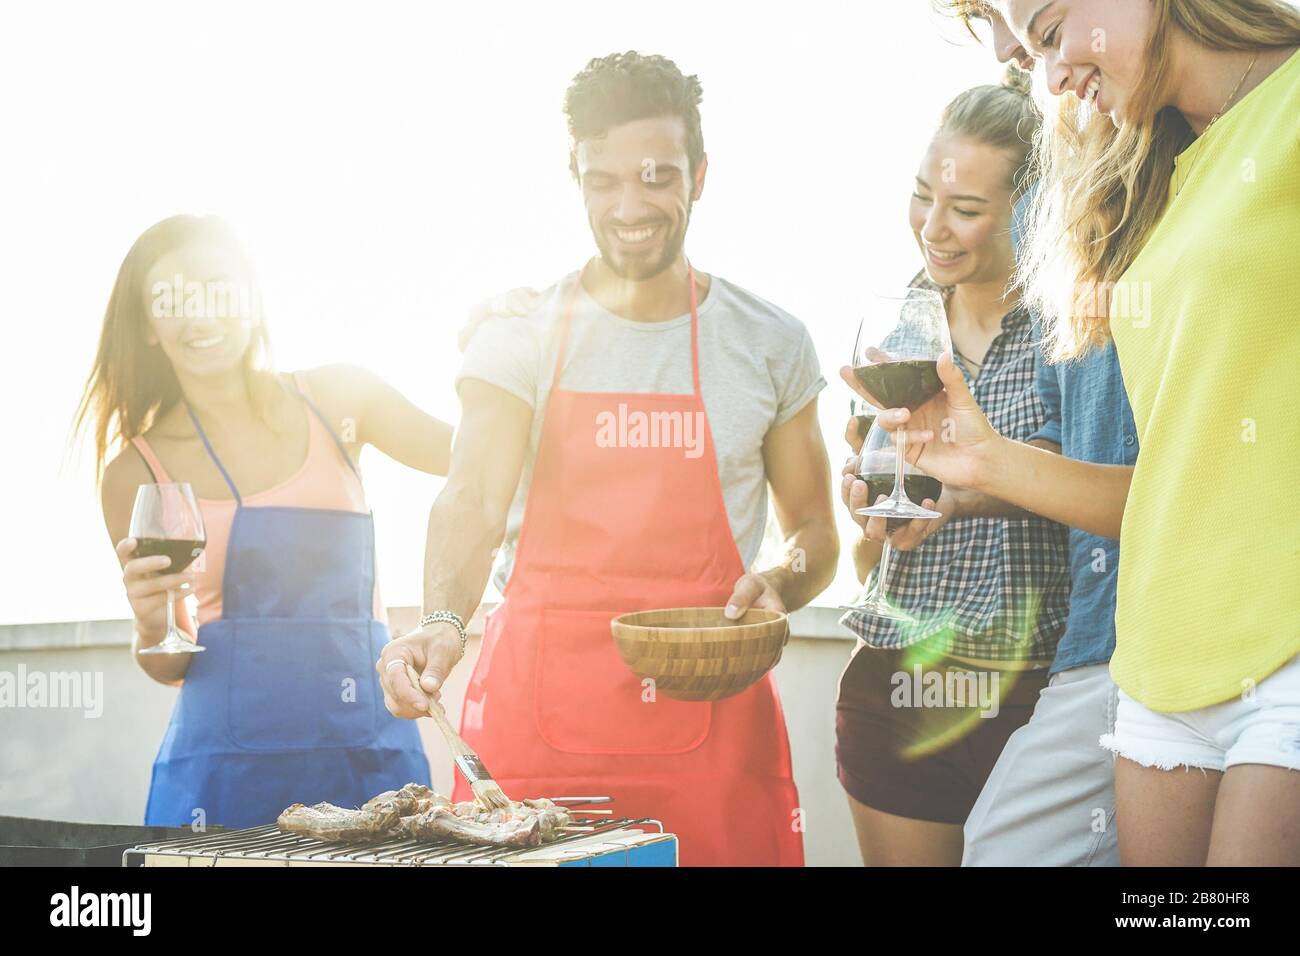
1262,726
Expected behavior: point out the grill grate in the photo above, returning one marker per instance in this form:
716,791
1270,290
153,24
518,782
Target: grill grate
267,845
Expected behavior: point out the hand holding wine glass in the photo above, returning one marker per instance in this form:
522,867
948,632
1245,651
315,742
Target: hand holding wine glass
166,525
899,342
147,581
948,434
912,534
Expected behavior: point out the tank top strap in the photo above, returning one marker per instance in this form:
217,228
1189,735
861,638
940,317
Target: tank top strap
305,393
151,461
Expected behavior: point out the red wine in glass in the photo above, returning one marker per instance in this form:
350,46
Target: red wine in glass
182,551
909,383
166,520
895,360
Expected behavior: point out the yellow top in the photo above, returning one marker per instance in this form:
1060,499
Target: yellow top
1207,325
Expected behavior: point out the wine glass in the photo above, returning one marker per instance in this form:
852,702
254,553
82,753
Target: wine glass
876,466
166,520
895,359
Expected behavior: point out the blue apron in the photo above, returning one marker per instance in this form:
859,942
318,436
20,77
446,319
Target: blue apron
284,706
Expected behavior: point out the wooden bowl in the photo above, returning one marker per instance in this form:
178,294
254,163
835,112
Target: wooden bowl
696,653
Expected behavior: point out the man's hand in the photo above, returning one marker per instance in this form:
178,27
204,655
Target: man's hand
753,590
799,476
949,436
433,652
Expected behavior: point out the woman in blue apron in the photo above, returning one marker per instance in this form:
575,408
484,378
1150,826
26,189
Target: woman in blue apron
283,705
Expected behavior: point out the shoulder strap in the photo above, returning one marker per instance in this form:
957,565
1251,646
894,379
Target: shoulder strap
566,319
302,390
156,470
230,483
566,322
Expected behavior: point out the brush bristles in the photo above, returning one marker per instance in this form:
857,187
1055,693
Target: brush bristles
490,794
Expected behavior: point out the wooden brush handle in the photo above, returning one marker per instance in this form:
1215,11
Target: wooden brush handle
454,741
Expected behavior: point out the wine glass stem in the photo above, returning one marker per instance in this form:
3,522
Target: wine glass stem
884,570
171,617
900,456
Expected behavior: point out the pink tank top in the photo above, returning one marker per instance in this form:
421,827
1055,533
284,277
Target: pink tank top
323,481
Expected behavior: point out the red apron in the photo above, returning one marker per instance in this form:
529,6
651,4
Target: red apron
551,706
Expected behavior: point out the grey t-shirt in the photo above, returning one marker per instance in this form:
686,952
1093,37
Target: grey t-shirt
758,369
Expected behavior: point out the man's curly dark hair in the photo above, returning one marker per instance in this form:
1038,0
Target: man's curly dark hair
623,87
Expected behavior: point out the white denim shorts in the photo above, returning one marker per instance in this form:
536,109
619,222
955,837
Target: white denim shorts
1262,727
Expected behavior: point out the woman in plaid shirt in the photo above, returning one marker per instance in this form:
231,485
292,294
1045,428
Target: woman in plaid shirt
924,710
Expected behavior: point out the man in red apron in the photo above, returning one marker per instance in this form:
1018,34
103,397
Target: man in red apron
613,521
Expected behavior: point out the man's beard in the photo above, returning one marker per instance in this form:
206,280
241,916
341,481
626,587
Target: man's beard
639,270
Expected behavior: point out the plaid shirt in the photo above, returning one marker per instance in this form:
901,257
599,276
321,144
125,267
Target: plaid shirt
987,588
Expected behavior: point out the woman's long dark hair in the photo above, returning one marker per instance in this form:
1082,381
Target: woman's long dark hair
132,383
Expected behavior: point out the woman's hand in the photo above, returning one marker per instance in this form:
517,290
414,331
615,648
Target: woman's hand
853,492
911,535
516,302
853,435
948,437
147,584
433,652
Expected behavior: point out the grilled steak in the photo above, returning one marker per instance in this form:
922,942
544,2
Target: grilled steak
324,821
418,813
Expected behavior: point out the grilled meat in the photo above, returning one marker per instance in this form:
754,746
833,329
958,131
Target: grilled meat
418,813
443,823
324,821
526,823
410,800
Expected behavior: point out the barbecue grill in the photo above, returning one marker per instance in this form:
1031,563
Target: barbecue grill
596,841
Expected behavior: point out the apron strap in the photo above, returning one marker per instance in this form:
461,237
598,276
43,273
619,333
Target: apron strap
695,332
310,404
213,455
567,320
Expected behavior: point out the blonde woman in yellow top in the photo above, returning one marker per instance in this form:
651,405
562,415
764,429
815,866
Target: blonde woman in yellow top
1169,218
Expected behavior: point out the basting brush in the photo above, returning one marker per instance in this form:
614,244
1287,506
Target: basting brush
486,790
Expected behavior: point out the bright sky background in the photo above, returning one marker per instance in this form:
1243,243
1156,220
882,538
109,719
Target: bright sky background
390,164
